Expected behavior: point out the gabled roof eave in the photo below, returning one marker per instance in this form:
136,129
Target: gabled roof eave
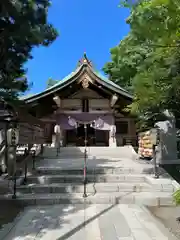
58,86
114,87
72,77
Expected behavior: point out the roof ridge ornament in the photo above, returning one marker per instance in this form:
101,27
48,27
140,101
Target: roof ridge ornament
85,82
84,60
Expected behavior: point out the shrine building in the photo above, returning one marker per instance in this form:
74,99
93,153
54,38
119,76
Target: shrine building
85,98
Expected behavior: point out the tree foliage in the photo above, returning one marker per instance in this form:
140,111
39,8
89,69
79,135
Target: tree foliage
23,25
51,82
147,61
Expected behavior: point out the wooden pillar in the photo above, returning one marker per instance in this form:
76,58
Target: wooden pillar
131,127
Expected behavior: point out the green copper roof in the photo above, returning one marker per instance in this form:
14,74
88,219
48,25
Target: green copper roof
26,96
58,84
67,80
105,79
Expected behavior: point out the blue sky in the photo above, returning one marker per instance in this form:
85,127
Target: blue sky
91,26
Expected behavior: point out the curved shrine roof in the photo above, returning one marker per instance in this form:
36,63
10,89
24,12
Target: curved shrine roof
83,64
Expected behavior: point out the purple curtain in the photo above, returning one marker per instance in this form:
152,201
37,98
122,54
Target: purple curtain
89,118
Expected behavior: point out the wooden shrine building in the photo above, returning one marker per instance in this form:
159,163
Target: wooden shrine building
85,98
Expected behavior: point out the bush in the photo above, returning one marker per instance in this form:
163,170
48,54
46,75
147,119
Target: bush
176,197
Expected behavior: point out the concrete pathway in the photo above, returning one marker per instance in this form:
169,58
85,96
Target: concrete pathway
88,222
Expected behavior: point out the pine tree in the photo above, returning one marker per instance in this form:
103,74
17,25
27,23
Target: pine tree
23,26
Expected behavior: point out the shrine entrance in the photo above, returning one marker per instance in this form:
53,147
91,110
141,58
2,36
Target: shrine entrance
91,138
76,137
97,129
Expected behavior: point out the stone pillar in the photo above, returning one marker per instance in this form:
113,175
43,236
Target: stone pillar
167,148
112,135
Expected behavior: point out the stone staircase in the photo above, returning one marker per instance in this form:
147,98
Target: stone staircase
113,177
125,152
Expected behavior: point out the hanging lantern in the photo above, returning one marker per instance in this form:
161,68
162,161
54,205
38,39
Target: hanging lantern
13,136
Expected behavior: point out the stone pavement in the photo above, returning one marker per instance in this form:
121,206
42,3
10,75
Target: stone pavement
99,157
113,175
88,222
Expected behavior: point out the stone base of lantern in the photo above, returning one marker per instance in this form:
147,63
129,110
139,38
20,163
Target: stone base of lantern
112,142
53,144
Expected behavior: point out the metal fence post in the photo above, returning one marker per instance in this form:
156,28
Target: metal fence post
42,149
25,166
6,145
33,159
85,162
14,186
156,170
14,175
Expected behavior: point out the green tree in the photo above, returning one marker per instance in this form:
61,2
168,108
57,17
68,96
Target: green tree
23,26
127,58
156,85
147,61
51,82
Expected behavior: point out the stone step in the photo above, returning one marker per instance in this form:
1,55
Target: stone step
49,179
88,148
90,151
91,188
149,199
93,155
90,170
100,153
63,153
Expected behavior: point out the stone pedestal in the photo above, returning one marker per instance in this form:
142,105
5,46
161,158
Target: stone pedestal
112,142
112,136
53,144
11,151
